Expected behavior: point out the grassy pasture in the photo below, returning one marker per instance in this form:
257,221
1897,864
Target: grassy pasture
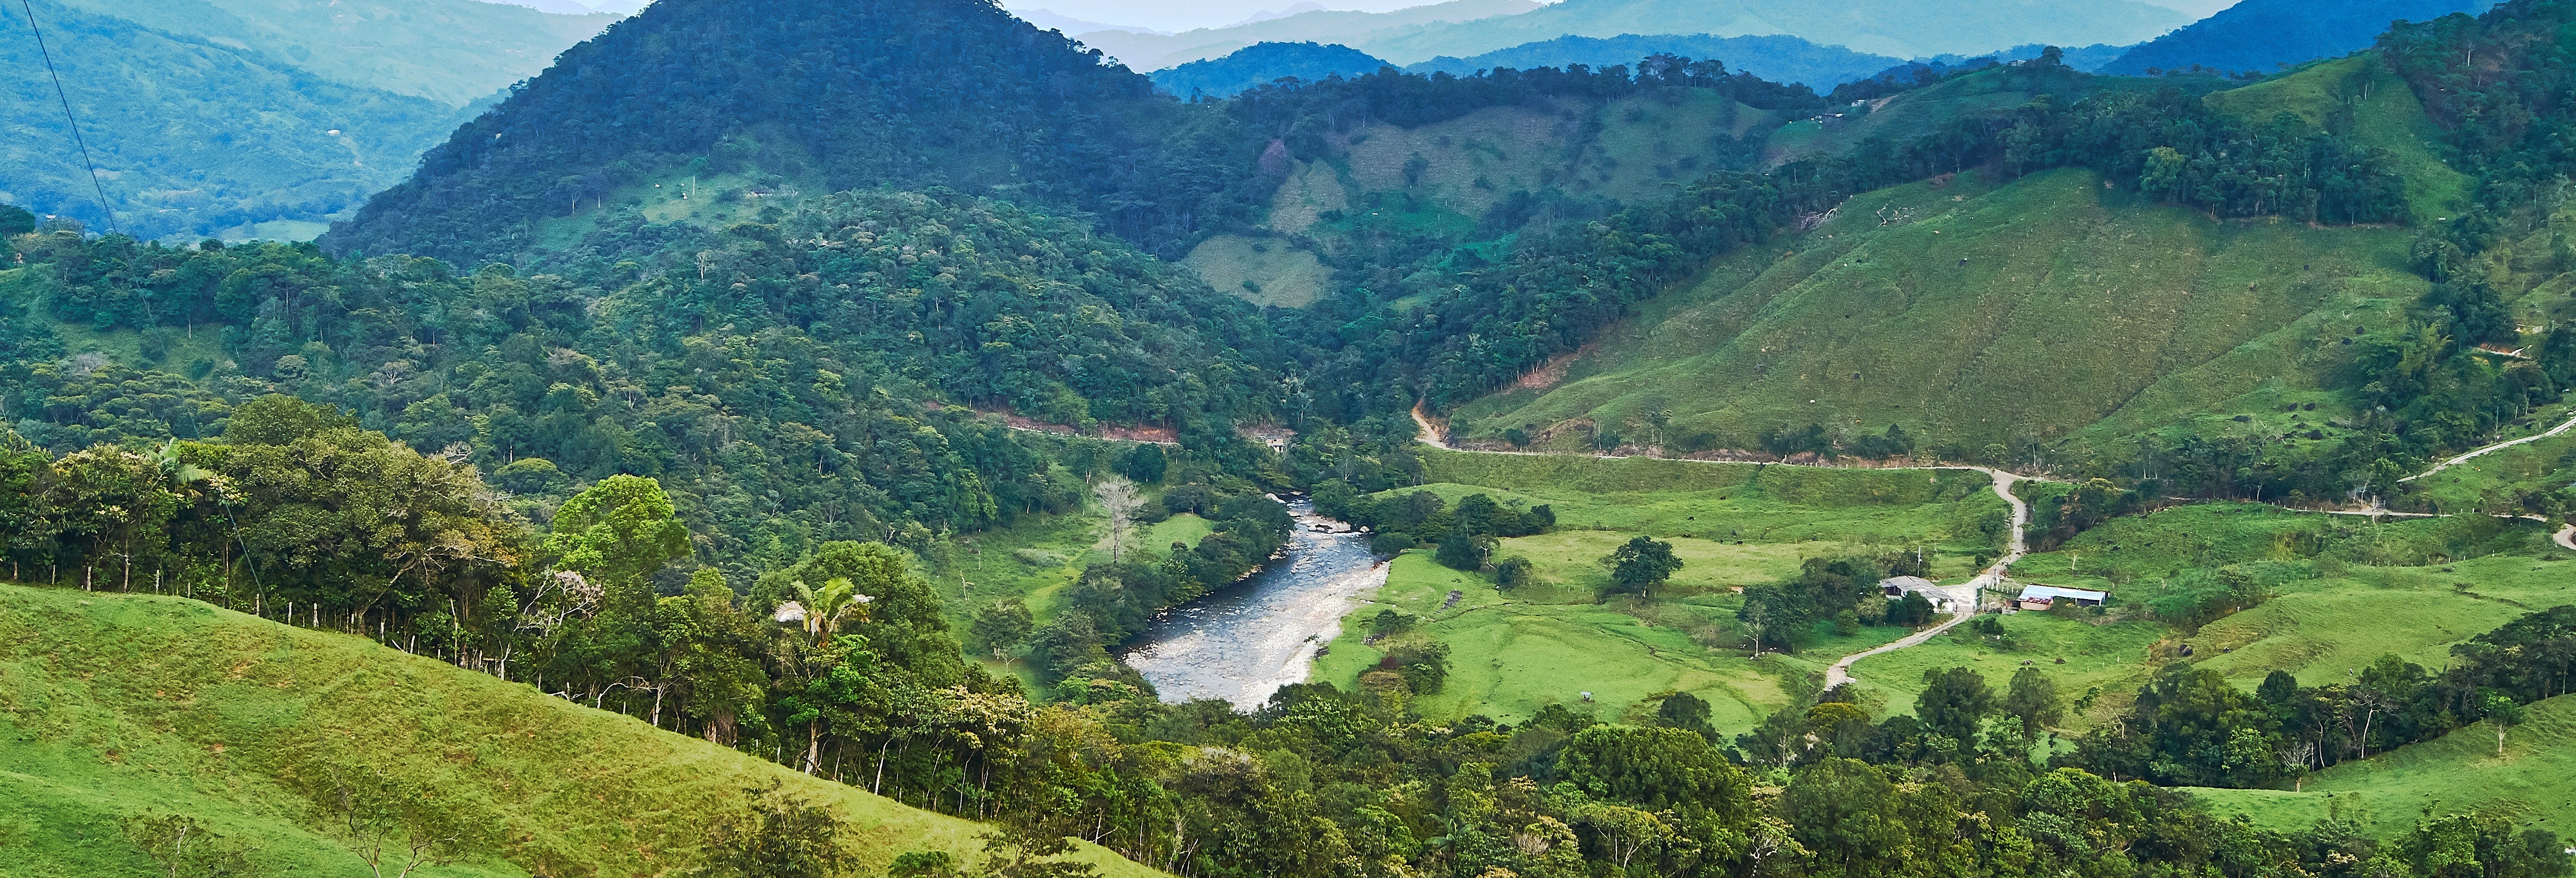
1732,525
2535,780
119,705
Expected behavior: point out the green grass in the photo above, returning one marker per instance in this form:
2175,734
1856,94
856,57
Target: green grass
1982,315
2535,780
2110,655
2075,306
1732,525
119,705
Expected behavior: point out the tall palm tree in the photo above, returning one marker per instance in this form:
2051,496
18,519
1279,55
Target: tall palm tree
822,611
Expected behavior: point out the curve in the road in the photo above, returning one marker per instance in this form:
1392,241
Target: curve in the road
1840,672
2500,446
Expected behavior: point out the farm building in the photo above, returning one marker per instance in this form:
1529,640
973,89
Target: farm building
2041,597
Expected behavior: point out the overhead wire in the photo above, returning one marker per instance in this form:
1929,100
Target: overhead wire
66,99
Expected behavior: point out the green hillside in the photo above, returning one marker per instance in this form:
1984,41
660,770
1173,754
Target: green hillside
121,706
451,51
1974,315
2530,782
1380,189
193,137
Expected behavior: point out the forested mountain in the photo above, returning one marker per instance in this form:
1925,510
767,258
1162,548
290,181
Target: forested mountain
970,98
2264,35
451,51
1898,28
193,137
1260,65
1776,58
1148,51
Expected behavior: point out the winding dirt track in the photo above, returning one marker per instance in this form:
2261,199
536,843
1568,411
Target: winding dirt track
1840,672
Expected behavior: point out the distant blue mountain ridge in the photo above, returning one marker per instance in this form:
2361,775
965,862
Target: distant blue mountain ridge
2266,35
1776,58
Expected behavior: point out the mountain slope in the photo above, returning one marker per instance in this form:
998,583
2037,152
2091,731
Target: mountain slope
194,138
1900,28
1148,51
118,706
1985,317
939,93
2260,35
451,51
1776,58
1260,65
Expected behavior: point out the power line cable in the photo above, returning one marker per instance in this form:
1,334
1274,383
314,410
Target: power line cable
66,98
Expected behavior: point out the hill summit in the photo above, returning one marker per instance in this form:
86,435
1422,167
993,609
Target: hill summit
795,95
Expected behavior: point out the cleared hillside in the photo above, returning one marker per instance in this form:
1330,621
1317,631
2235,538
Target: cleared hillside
116,706
2460,772
1984,316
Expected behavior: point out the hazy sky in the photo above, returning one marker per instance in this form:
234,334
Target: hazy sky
1178,15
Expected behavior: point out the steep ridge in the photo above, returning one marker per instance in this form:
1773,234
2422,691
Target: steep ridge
809,95
2261,35
116,706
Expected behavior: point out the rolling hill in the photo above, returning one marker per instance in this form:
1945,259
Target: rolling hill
973,101
2263,35
1941,305
115,707
1898,28
193,137
1260,65
1776,58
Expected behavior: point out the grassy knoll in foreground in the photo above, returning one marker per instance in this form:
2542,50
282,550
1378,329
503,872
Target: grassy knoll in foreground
1733,525
113,706
2535,780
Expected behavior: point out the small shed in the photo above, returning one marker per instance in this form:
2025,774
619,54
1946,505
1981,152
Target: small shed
1897,586
2041,597
1944,598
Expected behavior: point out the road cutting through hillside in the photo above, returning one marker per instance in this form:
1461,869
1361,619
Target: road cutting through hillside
1840,672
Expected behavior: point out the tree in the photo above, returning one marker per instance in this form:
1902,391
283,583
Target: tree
620,531
1642,564
1002,627
1955,702
1118,498
779,834
1144,464
185,847
389,822
2502,712
1462,548
2033,699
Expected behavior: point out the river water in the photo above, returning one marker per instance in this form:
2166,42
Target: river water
1242,642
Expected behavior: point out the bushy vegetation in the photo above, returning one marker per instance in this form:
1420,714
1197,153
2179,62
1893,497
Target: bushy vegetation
2191,727
798,382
